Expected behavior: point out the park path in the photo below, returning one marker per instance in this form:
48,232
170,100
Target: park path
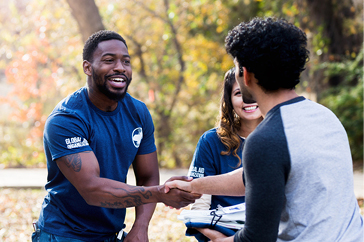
36,178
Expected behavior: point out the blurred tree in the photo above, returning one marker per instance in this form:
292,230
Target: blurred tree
223,16
178,59
177,76
335,33
36,73
87,15
346,100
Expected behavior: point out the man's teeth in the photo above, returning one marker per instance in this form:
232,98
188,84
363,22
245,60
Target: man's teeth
250,108
118,79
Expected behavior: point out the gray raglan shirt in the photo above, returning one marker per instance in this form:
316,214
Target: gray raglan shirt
299,178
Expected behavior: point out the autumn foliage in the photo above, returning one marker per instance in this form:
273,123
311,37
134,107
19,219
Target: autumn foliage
178,60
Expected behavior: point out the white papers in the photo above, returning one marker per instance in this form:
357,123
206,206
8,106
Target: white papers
234,209
232,217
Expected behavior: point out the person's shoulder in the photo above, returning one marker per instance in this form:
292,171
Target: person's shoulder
128,99
211,133
72,102
264,133
306,108
313,104
210,136
72,105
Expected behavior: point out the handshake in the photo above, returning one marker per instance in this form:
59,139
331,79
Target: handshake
177,192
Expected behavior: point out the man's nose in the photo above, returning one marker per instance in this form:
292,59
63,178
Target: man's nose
119,66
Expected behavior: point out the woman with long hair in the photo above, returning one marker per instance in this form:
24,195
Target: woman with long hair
219,150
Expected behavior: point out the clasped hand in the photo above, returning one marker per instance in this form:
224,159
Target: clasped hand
177,193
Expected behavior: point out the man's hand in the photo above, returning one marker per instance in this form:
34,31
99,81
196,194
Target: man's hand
215,236
177,198
227,184
182,184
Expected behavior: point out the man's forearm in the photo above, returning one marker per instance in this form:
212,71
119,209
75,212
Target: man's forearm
114,194
144,213
228,184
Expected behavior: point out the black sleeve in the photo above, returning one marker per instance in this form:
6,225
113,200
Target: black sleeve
266,167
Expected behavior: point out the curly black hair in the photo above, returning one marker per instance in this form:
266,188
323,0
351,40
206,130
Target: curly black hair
94,40
273,49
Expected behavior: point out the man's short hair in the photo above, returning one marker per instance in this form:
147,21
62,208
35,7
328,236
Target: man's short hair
94,40
273,49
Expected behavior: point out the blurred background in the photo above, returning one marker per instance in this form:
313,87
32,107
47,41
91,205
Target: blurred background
178,60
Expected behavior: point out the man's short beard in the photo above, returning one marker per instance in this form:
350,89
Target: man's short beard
104,90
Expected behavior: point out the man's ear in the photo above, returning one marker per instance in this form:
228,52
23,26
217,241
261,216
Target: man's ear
87,68
247,77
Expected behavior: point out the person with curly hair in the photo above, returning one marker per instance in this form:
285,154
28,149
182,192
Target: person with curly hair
298,174
219,149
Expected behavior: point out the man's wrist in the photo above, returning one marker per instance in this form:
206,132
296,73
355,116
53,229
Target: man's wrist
158,193
141,224
193,186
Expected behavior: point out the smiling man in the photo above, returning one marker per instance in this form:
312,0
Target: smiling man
90,139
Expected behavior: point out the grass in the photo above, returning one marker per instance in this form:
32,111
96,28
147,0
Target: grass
19,207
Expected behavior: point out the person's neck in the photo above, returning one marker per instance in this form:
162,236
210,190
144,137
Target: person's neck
248,126
101,101
267,101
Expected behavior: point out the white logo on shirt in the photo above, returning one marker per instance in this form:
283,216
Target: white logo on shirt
76,142
197,172
137,136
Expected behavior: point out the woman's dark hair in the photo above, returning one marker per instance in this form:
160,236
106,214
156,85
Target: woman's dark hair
94,40
229,126
273,49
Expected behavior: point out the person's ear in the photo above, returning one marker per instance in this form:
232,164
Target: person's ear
247,77
87,67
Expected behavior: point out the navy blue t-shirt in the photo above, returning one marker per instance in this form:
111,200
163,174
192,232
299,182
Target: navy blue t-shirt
76,125
208,161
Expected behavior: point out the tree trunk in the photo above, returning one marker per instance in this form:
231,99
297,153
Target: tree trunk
340,43
333,17
163,130
87,16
